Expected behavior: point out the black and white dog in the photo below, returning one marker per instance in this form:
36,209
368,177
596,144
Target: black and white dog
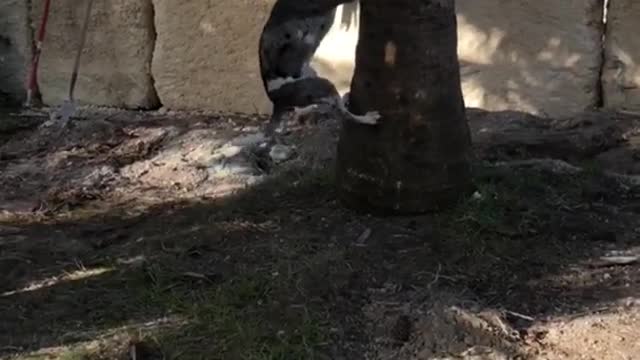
288,43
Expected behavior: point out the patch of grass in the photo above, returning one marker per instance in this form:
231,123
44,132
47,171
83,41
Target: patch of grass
75,354
268,311
499,232
260,310
274,292
236,320
591,167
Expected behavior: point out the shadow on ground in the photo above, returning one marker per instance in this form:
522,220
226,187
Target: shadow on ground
281,271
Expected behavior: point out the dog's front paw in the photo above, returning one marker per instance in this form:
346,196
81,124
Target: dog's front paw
373,115
371,118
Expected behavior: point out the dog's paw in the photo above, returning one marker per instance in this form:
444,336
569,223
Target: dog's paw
370,118
373,115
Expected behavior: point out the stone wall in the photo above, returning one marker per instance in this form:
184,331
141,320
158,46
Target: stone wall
115,67
621,73
207,54
542,56
15,47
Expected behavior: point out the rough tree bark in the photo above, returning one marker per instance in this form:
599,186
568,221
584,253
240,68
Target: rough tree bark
418,158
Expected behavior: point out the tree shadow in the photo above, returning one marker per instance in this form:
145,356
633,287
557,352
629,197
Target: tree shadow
284,255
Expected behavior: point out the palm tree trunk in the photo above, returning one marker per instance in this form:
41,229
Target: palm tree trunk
418,158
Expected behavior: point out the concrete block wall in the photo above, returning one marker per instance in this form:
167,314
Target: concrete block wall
539,56
15,46
544,56
206,54
621,72
115,66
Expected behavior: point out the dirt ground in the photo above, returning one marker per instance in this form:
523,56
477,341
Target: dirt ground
153,235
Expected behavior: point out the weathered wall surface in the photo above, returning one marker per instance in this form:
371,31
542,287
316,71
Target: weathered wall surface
541,56
538,56
206,54
15,47
621,73
115,68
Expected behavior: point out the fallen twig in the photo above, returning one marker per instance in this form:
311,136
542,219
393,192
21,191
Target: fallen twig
617,261
521,316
